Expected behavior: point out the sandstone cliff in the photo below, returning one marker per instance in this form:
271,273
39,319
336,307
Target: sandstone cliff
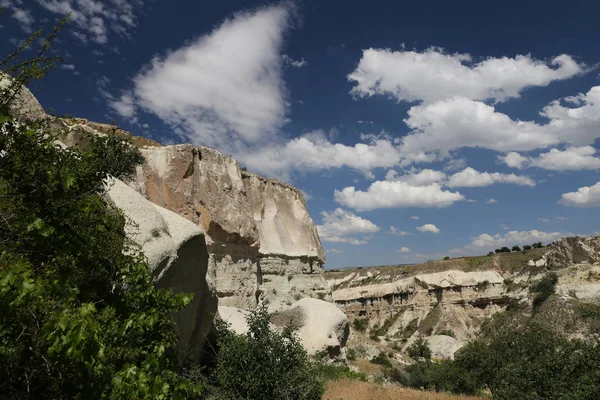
260,237
447,301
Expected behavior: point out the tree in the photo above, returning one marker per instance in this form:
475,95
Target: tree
420,349
527,247
505,249
491,253
516,248
537,245
80,316
263,364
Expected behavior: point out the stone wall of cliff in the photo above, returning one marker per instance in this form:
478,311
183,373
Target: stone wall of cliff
260,237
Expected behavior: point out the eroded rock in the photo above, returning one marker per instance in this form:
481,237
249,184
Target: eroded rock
574,250
177,257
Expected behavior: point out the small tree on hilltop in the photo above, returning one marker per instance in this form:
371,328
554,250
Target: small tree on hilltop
527,247
516,248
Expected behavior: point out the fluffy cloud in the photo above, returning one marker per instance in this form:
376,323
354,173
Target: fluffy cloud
314,151
388,194
430,228
333,251
487,241
570,159
294,63
470,177
95,19
491,201
433,75
457,122
396,232
414,217
422,178
339,225
225,89
403,250
587,196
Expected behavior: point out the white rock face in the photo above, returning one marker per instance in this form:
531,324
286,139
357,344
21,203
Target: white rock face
24,104
574,250
177,257
321,326
260,237
442,347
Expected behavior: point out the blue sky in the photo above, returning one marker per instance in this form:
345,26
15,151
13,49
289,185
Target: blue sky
416,130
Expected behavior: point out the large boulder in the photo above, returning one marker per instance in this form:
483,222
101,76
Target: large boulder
322,327
177,257
574,250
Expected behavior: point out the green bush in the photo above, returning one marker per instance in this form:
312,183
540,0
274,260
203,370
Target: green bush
381,359
351,354
360,324
516,248
263,364
79,316
544,288
419,349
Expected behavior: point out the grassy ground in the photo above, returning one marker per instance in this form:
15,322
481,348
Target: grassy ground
356,390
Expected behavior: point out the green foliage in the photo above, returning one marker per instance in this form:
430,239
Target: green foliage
446,258
411,328
360,324
544,288
491,253
420,350
79,317
331,372
537,245
381,359
527,247
351,354
516,248
263,364
482,286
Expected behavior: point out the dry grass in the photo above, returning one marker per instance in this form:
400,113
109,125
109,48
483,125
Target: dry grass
355,390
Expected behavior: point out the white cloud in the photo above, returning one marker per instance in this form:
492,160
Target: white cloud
94,19
339,225
24,17
225,89
428,228
414,217
69,67
561,218
433,75
470,177
544,220
486,241
334,251
458,122
386,194
314,151
403,250
570,159
422,178
587,196
396,232
491,201
124,105
294,63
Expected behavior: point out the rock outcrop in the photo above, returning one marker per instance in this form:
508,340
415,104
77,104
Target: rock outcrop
23,103
322,327
177,257
425,304
261,239
573,250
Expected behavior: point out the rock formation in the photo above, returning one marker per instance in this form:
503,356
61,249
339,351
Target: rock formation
322,327
574,250
177,257
260,237
23,104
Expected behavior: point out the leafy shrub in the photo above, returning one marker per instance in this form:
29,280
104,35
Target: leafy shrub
527,247
516,248
482,286
351,354
79,316
544,288
381,359
263,364
330,372
360,324
419,349
446,258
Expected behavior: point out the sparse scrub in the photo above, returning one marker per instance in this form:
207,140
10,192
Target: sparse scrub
360,324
